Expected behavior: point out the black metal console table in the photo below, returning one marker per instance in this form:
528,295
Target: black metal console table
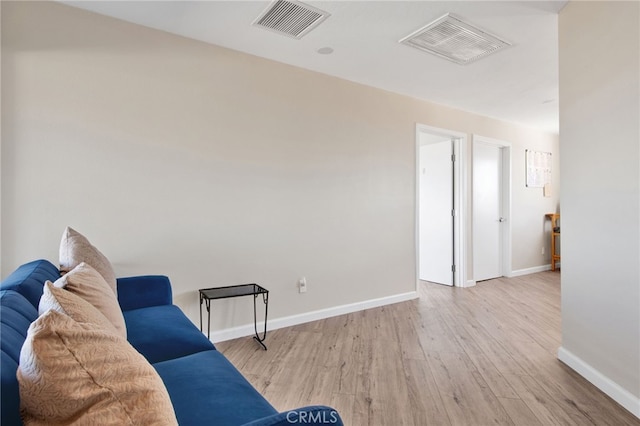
209,294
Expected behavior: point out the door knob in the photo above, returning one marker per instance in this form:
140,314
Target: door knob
502,219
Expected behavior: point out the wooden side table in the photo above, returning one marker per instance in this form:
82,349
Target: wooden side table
209,294
555,232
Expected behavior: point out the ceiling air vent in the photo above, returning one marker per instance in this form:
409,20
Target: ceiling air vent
455,40
291,18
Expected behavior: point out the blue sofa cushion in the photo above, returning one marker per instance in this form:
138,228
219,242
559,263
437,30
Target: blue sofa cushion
16,315
224,396
164,332
10,392
144,291
29,279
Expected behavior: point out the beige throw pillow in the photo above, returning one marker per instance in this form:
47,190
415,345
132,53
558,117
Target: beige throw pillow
87,283
65,302
75,249
78,373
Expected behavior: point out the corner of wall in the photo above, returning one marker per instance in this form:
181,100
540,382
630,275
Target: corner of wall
602,382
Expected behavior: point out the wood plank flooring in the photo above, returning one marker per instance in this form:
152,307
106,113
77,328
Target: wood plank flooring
478,356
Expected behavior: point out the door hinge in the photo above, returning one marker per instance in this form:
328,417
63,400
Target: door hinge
453,158
453,213
453,268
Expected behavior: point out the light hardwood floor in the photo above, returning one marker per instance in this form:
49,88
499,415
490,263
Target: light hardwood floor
478,356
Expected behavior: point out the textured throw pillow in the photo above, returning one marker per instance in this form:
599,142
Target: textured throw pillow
65,302
77,373
87,283
75,249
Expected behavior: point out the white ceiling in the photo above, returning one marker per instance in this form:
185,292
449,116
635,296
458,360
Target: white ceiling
518,84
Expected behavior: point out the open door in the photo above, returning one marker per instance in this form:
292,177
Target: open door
436,207
491,208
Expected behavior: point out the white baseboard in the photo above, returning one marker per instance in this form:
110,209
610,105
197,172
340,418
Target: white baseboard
247,330
602,382
527,271
470,283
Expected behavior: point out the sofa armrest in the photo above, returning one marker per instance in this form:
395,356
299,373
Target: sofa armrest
144,291
310,415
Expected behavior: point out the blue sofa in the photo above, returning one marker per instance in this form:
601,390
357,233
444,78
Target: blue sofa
204,387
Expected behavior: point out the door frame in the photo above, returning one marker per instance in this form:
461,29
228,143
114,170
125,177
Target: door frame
460,149
505,261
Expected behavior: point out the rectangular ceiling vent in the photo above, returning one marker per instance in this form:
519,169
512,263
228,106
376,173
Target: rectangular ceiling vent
291,18
455,40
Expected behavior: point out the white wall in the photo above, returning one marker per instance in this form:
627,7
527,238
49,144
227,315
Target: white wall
1,142
215,167
600,147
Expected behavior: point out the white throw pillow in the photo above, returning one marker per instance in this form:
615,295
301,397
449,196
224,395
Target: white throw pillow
75,249
87,283
78,373
65,302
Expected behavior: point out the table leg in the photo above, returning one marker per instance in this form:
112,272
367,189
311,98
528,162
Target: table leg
208,306
207,303
200,311
265,299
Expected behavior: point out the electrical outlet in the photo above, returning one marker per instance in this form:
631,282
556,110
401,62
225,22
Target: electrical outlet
542,251
302,285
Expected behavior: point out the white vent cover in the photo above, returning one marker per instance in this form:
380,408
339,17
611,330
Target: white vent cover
455,40
291,18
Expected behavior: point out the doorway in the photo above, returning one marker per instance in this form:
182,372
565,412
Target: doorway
439,207
491,194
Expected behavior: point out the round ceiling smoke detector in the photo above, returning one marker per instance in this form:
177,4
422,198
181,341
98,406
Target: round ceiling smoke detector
325,51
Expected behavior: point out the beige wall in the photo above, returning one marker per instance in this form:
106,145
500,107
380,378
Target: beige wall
1,143
215,167
600,147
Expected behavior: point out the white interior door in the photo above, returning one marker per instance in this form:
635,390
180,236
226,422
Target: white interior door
435,207
487,211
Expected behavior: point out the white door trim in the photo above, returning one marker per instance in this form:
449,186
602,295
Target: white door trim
506,198
460,149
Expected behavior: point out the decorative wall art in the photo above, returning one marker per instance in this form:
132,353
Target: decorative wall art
538,169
